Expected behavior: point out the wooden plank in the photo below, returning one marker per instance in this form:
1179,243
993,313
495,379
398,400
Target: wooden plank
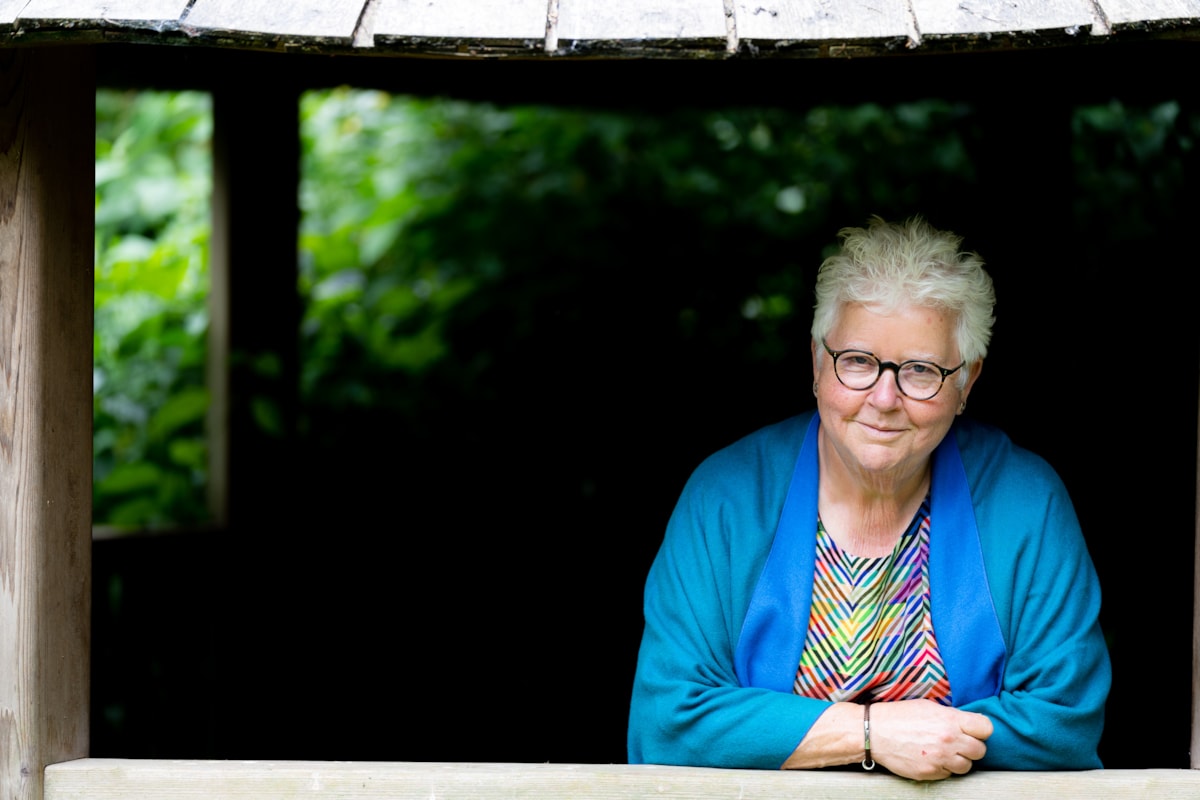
621,20
110,779
160,14
47,160
470,20
1133,12
625,27
974,17
320,20
818,21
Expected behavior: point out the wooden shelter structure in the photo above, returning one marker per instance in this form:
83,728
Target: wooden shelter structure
256,57
532,28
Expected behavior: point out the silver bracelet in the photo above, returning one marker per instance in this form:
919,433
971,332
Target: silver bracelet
867,762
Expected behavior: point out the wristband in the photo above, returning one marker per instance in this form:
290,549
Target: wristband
867,762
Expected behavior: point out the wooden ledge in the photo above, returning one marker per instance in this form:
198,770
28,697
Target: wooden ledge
105,778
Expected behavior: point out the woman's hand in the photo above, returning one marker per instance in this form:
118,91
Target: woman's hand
917,739
922,740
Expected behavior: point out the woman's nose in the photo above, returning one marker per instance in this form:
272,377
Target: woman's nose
886,391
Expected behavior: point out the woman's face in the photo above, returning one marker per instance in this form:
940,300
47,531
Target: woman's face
879,434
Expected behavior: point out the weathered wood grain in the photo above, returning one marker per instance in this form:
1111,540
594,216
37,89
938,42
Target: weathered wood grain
596,28
1131,12
319,20
109,779
156,14
764,21
47,159
1194,751
975,17
505,20
617,20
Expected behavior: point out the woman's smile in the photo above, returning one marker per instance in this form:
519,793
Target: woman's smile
881,431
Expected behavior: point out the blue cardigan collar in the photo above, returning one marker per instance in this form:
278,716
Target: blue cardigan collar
964,619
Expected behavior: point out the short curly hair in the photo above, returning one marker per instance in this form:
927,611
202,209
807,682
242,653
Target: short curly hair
911,263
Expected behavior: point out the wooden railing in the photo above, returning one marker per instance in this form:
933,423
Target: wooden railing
108,779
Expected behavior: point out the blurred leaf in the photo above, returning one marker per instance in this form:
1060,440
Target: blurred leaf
183,408
127,478
267,415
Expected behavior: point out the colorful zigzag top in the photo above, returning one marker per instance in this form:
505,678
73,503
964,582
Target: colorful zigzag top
870,632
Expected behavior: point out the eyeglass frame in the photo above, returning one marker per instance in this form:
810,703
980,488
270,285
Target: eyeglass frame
894,367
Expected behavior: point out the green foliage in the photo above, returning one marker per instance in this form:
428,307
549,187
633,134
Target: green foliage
1129,167
440,239
453,252
152,231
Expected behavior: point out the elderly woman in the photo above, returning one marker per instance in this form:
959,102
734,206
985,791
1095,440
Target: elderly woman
880,581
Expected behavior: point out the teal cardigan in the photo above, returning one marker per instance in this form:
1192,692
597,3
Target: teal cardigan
1014,596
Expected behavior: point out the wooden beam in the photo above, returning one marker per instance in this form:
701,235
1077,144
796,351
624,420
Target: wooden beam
218,361
595,29
254,303
47,157
109,779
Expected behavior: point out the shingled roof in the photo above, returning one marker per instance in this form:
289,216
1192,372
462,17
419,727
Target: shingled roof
602,28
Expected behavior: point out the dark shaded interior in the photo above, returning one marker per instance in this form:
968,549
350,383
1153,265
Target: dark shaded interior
471,591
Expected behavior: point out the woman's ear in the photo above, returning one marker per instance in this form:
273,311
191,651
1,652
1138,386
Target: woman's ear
812,346
972,376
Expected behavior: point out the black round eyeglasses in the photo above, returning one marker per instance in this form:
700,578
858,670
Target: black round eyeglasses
860,370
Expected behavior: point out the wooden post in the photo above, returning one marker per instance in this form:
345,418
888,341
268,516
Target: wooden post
47,156
1191,177
1195,751
253,376
254,303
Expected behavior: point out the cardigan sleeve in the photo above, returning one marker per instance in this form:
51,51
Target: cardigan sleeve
1049,713
687,705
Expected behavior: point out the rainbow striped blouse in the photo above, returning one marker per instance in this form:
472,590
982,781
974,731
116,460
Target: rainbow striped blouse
870,633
